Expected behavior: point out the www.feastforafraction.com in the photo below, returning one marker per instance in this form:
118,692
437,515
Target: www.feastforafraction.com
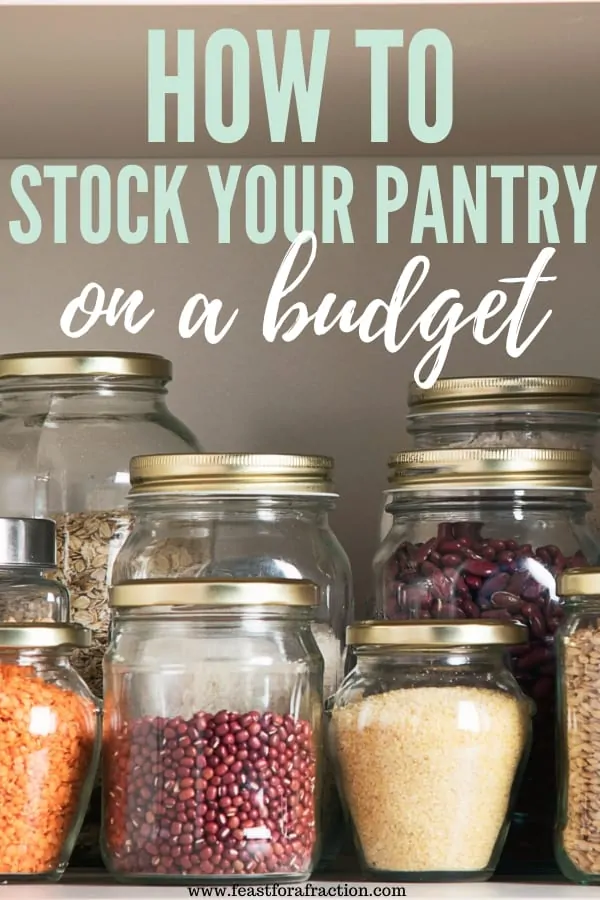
299,890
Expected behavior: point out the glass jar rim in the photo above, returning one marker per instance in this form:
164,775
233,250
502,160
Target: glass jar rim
38,636
420,635
579,582
94,363
502,393
211,593
252,474
489,468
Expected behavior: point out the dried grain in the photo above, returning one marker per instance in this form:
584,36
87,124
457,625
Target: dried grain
581,835
427,774
47,738
87,545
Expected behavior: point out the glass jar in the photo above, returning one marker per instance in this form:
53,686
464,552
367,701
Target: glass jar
236,515
49,745
577,835
544,411
482,534
69,424
429,732
27,557
212,732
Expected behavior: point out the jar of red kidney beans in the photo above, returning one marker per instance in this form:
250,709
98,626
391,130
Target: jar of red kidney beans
212,732
483,534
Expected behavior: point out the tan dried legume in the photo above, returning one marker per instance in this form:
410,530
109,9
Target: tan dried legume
427,774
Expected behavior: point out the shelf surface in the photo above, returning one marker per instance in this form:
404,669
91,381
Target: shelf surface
487,891
526,75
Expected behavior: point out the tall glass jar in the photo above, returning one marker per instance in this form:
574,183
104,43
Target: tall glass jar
49,746
429,732
483,534
27,557
212,732
69,424
577,835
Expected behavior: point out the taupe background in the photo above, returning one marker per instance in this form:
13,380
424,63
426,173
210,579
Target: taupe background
330,394
72,86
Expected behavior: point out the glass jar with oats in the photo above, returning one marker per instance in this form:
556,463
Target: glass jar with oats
69,424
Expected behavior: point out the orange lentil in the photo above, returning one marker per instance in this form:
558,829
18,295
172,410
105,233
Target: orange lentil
47,737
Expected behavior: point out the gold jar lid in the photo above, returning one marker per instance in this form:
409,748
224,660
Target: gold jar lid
489,469
428,635
254,474
506,393
33,636
95,362
211,593
579,582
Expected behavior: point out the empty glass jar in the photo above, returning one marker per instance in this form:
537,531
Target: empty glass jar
429,732
27,557
577,835
212,732
483,534
49,745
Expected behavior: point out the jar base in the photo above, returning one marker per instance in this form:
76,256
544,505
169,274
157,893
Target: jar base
145,879
427,877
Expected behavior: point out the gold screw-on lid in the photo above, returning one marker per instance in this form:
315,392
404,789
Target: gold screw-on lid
228,592
232,473
505,393
489,468
32,636
95,362
579,583
419,634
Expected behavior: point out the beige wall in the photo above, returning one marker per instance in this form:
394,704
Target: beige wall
331,394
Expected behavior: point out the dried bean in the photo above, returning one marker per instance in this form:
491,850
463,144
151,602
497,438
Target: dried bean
242,810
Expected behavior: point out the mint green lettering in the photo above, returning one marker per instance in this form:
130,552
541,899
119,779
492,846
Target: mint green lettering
386,201
427,39
167,204
160,85
127,176
507,176
290,204
224,194
429,208
469,204
256,176
580,197
95,191
236,43
336,208
60,175
379,42
543,188
293,81
31,233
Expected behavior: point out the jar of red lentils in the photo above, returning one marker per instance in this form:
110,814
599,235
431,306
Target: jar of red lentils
212,732
49,747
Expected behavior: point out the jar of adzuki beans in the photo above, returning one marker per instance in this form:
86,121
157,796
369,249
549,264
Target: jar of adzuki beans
212,732
483,534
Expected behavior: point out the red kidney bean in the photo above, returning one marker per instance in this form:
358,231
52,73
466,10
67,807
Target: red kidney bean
184,826
462,574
